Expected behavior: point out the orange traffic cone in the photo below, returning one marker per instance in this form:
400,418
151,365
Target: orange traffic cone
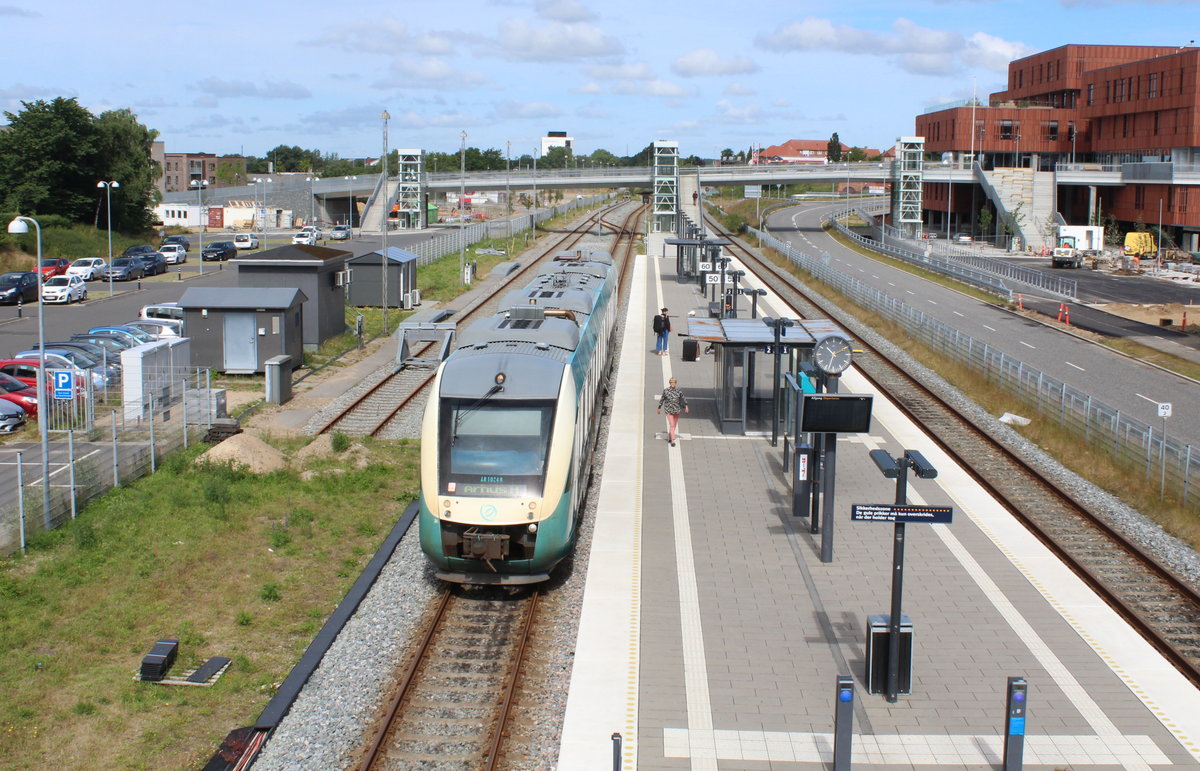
1066,314
1020,303
1061,308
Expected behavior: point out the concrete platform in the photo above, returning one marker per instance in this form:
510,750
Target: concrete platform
712,633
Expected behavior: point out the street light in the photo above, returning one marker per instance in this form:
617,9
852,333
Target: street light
108,186
535,201
263,226
462,195
18,226
350,201
199,184
312,199
385,117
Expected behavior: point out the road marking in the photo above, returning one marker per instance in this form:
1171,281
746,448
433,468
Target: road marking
956,313
932,302
1027,345
990,329
1076,366
1147,398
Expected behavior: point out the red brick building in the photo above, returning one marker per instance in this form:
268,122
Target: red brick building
1118,126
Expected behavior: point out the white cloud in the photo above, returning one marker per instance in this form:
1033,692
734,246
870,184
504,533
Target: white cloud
588,88
748,114
707,61
659,88
554,42
429,73
279,89
737,89
12,10
633,71
563,10
915,49
525,110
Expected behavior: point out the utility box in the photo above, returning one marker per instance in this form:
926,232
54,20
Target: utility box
278,376
877,653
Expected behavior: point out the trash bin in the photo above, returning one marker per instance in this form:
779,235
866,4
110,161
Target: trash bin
877,653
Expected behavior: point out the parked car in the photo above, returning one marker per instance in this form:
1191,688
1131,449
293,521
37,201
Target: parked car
180,240
18,286
155,263
18,393
219,251
963,238
54,266
305,237
64,289
245,241
111,342
26,368
161,311
174,254
140,249
135,336
95,351
126,269
341,233
88,268
12,417
160,329
66,358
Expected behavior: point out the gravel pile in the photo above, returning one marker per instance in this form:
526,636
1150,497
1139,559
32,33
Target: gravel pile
328,724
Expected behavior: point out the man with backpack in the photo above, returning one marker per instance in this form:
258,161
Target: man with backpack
662,328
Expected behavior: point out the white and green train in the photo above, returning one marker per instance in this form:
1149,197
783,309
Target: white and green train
511,423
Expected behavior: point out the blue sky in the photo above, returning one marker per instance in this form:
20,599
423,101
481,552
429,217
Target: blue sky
230,77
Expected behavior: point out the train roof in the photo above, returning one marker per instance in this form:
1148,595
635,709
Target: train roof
530,372
593,269
555,331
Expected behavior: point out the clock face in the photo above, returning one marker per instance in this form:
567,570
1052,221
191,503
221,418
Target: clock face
832,354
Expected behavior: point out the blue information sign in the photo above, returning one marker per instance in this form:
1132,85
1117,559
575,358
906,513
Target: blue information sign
891,512
64,383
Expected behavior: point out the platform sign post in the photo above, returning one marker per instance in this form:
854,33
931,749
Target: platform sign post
899,514
1014,723
843,724
1164,412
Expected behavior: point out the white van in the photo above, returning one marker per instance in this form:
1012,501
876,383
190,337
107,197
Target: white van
170,311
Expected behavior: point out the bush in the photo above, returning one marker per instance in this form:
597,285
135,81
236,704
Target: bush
341,442
269,593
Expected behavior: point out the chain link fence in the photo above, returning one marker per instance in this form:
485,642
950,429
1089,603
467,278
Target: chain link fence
1165,459
125,441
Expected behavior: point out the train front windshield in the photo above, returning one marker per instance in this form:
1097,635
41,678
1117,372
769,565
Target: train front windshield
496,449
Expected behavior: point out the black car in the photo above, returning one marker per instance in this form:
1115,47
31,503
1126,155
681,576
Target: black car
181,240
155,263
219,250
21,287
138,251
126,269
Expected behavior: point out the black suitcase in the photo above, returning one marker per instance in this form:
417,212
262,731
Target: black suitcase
691,350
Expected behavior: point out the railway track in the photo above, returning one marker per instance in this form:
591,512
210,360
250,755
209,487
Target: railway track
451,708
381,405
1163,607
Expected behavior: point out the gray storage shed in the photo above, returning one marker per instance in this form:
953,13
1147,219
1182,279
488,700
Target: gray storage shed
317,271
236,330
366,278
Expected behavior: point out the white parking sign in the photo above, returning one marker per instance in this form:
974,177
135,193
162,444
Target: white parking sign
63,383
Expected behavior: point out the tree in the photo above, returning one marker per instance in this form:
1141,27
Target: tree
49,160
856,154
834,149
125,146
985,221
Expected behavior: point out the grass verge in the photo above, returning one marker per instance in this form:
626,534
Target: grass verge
231,563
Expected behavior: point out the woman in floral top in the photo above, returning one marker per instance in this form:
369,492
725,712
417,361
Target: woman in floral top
674,402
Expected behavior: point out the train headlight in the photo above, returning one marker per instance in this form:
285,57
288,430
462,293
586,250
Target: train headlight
532,505
445,504
532,528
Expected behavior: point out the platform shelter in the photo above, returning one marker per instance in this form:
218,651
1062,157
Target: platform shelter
691,252
750,358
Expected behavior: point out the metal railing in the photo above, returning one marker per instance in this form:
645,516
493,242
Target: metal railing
1165,459
126,442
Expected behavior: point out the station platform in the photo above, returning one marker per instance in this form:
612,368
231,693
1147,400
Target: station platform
712,634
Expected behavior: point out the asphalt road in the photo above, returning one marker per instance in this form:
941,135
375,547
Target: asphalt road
1126,384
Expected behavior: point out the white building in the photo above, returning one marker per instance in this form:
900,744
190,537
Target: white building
557,139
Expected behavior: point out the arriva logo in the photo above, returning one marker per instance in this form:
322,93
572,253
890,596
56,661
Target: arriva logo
488,512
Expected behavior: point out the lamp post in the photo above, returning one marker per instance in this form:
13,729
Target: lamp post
508,173
462,194
18,226
199,184
534,228
108,186
385,117
312,203
350,201
263,226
